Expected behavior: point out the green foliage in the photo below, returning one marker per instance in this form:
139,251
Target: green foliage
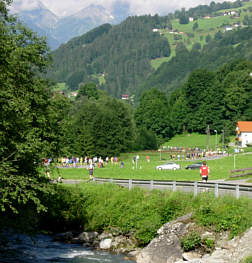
152,114
209,243
123,52
30,120
146,140
26,116
208,38
99,127
247,260
141,213
224,214
89,90
218,99
191,241
108,207
195,26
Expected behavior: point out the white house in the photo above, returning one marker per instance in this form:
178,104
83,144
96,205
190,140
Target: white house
244,133
228,28
125,97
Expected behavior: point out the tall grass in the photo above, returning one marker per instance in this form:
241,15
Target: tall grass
140,213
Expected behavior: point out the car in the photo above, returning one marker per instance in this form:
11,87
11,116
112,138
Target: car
168,166
194,166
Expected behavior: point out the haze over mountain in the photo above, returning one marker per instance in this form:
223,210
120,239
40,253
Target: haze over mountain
61,20
60,29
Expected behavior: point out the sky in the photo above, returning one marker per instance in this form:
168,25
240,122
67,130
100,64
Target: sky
138,7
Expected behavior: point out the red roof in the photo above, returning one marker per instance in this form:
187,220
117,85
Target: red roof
244,126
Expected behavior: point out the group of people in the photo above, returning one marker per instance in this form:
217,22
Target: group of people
69,162
91,163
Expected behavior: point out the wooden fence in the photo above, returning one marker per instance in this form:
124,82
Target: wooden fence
240,172
219,189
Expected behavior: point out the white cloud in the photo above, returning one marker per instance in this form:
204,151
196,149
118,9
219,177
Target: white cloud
26,4
139,7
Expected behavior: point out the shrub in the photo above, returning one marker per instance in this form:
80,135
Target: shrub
141,213
191,241
209,243
247,260
224,214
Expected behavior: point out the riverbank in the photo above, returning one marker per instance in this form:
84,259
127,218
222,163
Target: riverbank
124,221
139,213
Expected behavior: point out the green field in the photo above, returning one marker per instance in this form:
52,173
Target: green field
219,169
205,27
196,140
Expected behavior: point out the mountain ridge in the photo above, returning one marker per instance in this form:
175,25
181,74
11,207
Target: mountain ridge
59,30
120,59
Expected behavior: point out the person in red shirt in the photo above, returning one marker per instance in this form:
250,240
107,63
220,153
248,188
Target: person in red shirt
204,171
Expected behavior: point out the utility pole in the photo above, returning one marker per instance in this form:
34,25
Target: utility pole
208,136
216,135
223,139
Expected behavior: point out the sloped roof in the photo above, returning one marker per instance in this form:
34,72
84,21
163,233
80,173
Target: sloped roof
245,126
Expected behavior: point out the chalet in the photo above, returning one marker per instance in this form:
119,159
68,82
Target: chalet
207,17
191,19
230,13
228,28
125,97
244,133
74,94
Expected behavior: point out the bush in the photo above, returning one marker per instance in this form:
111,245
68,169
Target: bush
247,260
224,214
141,213
191,242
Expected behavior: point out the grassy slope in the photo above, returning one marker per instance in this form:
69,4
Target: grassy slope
193,140
219,169
206,26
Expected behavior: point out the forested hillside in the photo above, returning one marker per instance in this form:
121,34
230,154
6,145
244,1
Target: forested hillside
121,54
127,58
224,48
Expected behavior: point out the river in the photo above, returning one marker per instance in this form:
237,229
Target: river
42,249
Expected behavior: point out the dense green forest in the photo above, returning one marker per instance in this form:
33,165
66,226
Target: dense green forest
38,123
121,54
224,48
119,58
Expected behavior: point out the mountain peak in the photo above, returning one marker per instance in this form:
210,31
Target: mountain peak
92,10
26,5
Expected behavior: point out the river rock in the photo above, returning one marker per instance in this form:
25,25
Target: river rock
105,243
236,250
104,235
208,235
191,255
166,247
87,237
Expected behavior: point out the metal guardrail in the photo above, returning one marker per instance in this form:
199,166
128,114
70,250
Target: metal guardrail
196,187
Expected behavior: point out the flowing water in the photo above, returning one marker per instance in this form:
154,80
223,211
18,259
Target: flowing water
42,249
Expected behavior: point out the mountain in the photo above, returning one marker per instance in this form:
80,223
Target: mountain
59,30
118,56
81,22
121,58
37,17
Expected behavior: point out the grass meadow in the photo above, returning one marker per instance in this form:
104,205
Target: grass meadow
219,169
